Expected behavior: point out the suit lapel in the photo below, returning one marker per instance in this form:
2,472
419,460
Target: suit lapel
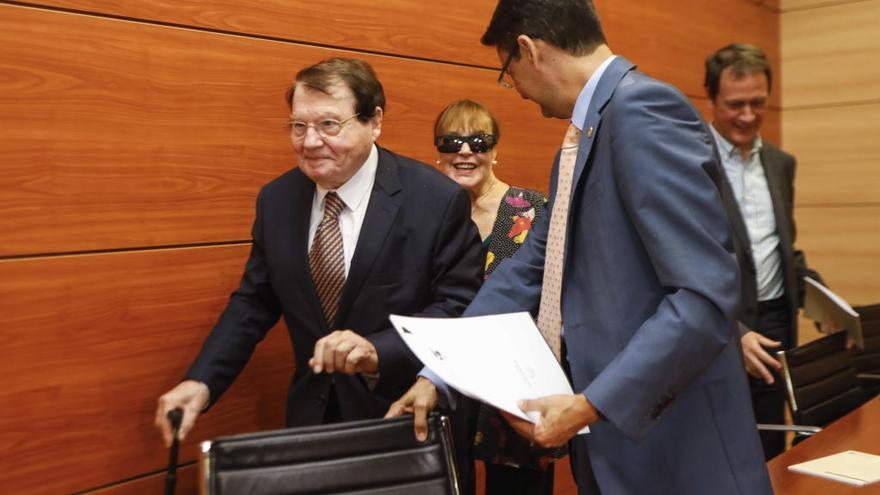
734,214
381,212
300,214
774,184
607,84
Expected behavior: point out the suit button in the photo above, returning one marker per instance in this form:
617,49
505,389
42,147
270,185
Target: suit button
322,399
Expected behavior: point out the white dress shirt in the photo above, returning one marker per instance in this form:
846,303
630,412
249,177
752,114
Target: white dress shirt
355,193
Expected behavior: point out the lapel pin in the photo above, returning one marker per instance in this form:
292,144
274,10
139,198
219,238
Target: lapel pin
590,132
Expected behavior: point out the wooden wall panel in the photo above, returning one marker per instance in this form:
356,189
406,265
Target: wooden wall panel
837,150
89,344
117,137
670,40
830,54
187,484
830,106
790,5
841,242
452,31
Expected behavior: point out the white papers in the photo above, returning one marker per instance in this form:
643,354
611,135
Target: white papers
820,304
498,359
855,468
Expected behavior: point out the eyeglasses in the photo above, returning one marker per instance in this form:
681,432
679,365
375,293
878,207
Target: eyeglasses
478,143
504,78
325,128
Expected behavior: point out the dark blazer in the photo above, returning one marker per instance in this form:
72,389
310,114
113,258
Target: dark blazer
648,298
779,168
418,254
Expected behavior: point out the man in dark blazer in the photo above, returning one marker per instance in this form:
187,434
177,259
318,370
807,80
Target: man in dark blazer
760,203
649,283
353,234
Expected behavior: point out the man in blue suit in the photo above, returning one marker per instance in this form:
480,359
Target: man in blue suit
649,282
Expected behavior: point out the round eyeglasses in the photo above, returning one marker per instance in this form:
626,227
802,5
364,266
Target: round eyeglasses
325,128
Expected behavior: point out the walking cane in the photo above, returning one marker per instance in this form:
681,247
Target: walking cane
174,415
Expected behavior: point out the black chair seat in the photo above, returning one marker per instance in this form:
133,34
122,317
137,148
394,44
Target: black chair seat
867,360
821,380
380,457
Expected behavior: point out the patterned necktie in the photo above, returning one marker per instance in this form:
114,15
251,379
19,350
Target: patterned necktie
550,312
327,259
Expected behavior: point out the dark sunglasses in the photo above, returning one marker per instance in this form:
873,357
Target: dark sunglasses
478,143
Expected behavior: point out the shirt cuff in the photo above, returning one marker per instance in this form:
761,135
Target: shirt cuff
445,395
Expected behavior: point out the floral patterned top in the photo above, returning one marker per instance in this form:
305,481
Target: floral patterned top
495,440
517,212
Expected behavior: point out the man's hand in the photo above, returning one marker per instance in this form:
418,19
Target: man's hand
827,326
344,351
757,359
562,417
419,400
190,396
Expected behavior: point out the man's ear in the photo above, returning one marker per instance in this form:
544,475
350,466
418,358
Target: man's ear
376,121
528,48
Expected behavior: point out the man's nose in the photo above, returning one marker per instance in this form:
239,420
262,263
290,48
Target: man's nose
747,114
312,139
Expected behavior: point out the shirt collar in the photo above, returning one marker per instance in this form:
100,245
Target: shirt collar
727,149
357,188
582,104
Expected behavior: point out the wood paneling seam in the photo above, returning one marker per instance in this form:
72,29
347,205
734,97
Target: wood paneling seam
196,245
821,5
133,478
236,34
820,106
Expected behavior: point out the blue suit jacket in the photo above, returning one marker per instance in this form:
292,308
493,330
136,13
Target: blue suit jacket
417,253
649,290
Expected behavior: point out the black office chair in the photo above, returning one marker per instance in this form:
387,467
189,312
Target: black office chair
363,457
821,381
867,360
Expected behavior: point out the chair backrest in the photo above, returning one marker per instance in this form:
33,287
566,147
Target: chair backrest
362,457
867,360
821,380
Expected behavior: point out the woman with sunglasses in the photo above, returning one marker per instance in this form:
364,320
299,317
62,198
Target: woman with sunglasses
465,135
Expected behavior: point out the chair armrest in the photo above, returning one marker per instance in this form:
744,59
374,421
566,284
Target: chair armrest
869,376
798,429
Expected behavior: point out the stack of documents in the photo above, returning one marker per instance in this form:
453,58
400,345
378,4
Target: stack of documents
820,304
855,468
498,359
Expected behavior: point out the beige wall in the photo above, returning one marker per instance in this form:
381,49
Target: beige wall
830,122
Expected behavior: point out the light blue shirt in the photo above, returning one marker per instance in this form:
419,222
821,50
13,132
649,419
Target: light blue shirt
749,184
582,104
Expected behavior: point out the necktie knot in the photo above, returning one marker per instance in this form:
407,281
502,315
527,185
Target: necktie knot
572,137
333,205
